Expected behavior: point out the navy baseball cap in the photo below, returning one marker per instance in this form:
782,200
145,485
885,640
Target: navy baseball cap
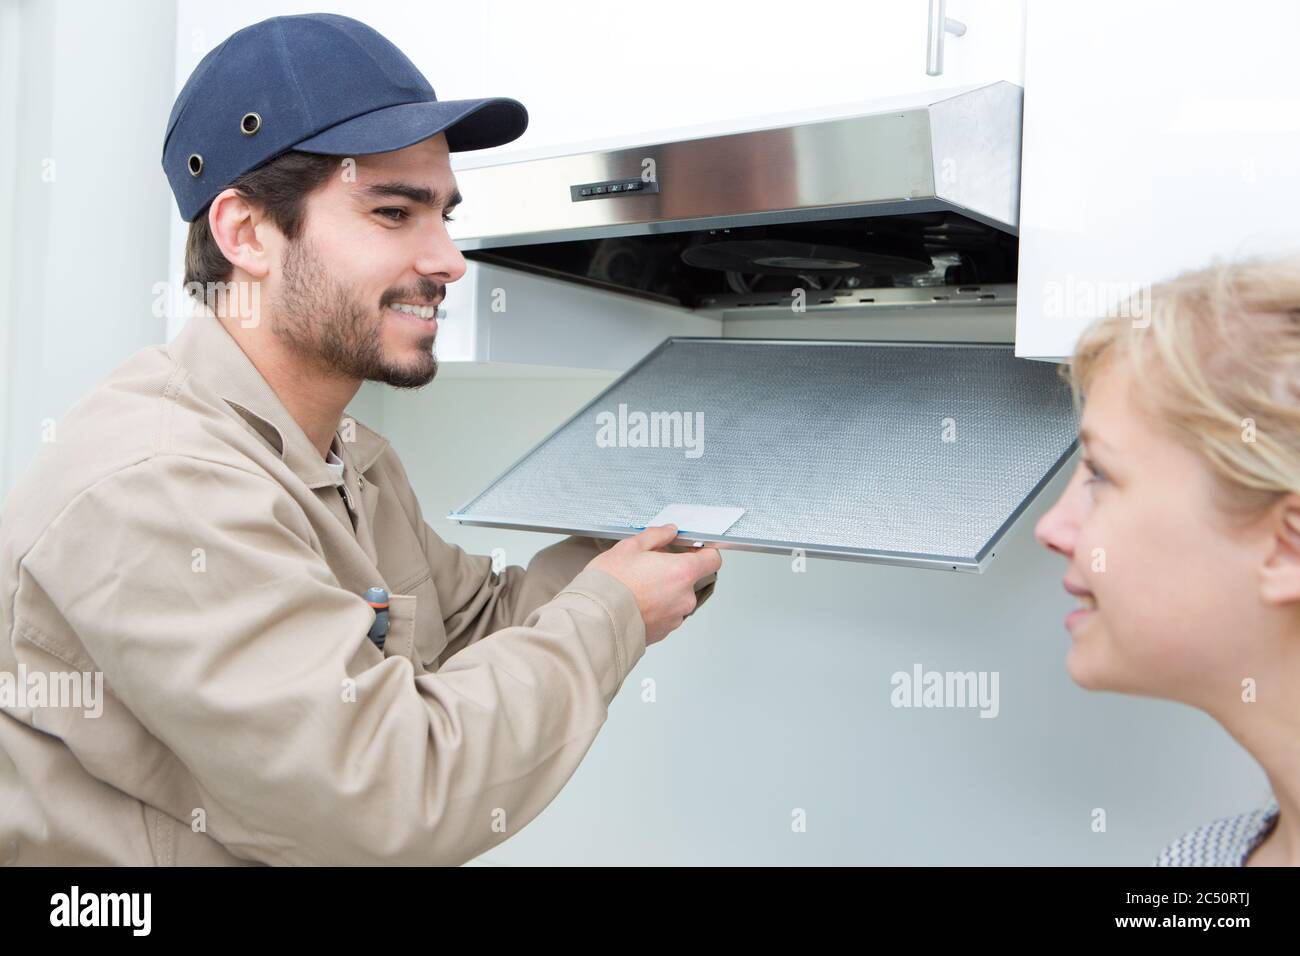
319,83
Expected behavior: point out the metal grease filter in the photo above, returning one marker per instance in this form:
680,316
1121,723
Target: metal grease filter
837,448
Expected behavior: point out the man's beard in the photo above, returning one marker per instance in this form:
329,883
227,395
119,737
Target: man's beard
320,321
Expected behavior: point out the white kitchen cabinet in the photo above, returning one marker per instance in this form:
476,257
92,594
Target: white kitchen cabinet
1157,136
700,68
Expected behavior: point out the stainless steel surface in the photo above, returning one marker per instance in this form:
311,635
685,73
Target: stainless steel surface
940,25
958,154
846,300
835,448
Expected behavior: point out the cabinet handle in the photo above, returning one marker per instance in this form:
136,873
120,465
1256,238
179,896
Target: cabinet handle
940,24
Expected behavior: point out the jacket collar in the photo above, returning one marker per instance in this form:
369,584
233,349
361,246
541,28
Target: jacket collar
211,355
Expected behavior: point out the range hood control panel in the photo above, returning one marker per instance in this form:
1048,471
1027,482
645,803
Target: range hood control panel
584,192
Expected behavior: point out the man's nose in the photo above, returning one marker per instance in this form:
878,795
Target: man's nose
440,258
1058,529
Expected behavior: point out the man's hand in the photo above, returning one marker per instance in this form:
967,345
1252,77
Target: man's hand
663,582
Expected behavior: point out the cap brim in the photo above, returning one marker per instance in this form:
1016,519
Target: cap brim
468,124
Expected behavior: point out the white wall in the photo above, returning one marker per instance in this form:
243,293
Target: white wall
83,111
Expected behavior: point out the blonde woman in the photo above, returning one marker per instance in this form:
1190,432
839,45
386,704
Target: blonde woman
1181,526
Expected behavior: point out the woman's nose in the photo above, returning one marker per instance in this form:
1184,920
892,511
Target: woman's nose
1058,529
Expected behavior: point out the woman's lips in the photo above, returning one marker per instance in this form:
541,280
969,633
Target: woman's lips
1074,617
1089,601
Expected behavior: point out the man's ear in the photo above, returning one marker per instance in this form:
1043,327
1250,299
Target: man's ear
1280,574
233,223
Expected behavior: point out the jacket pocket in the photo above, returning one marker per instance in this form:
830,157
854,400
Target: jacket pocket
400,640
415,629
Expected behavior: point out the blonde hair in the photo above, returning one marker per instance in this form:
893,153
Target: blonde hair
1215,360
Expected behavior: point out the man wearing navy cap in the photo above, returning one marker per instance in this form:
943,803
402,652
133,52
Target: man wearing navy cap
203,533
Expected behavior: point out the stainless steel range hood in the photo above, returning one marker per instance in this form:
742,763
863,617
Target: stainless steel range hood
923,193
917,453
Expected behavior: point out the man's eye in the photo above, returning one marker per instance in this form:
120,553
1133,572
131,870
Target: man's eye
397,214
1097,474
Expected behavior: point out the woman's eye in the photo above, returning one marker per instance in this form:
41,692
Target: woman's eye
1097,473
447,218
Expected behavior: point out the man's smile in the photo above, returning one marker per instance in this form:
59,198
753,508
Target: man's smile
416,310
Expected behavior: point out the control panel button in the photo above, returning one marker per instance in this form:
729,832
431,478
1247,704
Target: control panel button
585,192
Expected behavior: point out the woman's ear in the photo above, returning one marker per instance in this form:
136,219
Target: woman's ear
1280,574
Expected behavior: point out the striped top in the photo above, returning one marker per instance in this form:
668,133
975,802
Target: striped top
1225,842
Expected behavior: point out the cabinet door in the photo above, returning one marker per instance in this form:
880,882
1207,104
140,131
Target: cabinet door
1157,137
593,79
591,72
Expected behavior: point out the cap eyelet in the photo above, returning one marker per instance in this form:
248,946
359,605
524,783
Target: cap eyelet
196,164
250,124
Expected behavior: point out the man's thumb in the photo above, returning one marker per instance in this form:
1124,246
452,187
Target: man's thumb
656,536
